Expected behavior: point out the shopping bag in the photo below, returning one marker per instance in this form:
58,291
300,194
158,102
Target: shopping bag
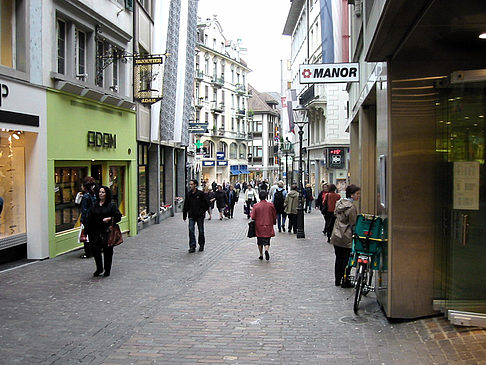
82,235
251,229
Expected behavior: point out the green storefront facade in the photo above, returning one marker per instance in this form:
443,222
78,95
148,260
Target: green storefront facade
87,138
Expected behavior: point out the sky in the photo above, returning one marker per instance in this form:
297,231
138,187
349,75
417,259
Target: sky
259,23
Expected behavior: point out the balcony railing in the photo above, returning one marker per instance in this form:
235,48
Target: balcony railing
217,81
240,89
199,75
199,103
240,112
217,107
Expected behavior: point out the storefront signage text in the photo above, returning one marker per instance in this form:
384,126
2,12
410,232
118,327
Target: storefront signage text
208,163
3,92
104,140
329,73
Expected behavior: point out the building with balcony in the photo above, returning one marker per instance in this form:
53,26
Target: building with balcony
263,129
320,36
221,101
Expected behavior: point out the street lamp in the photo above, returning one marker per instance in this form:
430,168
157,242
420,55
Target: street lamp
287,149
300,118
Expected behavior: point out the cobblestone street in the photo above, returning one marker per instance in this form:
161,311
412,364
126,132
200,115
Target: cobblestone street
163,305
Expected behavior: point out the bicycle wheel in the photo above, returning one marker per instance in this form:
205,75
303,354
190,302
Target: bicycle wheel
360,283
368,282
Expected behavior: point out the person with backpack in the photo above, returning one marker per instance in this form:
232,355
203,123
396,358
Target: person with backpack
278,200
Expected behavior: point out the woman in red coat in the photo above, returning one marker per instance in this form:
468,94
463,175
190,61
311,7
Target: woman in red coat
265,217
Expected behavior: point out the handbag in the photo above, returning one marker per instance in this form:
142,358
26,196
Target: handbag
251,229
114,235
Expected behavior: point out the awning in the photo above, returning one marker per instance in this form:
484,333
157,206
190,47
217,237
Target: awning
244,171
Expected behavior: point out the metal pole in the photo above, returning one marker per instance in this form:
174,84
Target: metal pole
287,170
300,209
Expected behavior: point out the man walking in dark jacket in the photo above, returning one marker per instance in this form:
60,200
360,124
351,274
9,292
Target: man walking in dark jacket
195,206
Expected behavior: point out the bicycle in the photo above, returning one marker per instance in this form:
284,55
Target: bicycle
367,245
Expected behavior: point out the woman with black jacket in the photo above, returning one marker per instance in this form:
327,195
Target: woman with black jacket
101,216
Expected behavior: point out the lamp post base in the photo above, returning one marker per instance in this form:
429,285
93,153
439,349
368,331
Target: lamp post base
300,221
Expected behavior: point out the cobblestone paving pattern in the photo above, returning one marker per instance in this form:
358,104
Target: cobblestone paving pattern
162,305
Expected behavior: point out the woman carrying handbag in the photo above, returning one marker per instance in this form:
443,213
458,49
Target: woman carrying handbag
101,217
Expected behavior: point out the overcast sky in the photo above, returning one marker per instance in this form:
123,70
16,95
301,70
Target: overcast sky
259,23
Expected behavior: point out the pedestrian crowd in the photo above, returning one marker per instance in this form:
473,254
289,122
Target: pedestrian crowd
277,206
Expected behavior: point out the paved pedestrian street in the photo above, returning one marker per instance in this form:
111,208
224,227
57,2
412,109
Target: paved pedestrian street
164,305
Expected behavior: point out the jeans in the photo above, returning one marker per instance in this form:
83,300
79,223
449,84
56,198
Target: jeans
281,217
308,205
192,232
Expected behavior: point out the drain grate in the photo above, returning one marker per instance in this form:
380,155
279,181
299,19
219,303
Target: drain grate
354,320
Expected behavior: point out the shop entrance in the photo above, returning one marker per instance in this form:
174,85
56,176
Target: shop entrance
461,246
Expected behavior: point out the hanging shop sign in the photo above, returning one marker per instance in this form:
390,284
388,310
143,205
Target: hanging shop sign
222,163
329,73
102,140
148,73
208,163
195,127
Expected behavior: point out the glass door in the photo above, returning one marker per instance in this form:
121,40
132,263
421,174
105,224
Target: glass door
461,197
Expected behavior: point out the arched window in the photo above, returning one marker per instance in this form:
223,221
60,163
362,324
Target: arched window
233,150
209,148
223,147
242,150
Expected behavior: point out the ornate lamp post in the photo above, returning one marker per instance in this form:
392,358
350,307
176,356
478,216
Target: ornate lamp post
300,118
287,149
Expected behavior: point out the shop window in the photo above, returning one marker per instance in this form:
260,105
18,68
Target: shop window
12,184
142,177
117,186
68,182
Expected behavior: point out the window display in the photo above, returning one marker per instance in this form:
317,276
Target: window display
12,183
117,186
68,182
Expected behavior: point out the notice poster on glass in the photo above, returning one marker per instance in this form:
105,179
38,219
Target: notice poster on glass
466,185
